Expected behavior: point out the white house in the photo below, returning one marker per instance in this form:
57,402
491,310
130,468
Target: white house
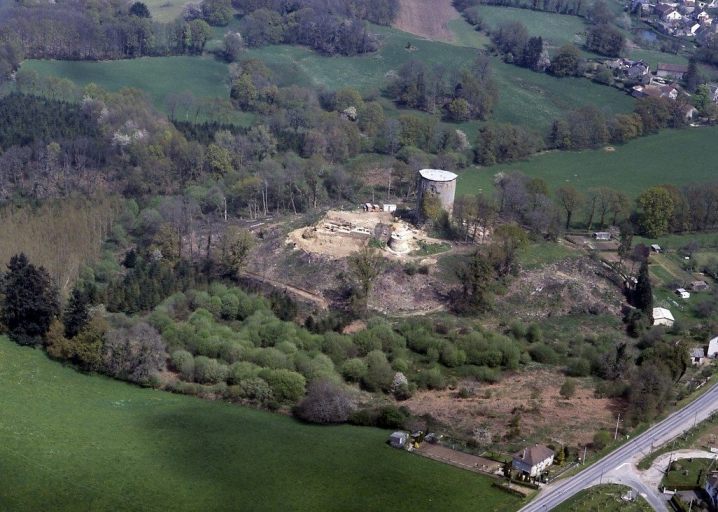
673,16
662,316
713,348
533,460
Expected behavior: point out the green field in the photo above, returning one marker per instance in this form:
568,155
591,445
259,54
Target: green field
69,441
603,498
680,157
527,98
687,472
555,29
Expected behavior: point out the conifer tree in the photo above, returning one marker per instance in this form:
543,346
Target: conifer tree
643,295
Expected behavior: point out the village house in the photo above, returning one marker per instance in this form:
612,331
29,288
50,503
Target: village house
662,316
712,351
699,286
533,460
698,356
675,71
661,10
655,91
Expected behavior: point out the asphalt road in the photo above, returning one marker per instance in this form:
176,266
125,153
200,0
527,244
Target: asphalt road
630,453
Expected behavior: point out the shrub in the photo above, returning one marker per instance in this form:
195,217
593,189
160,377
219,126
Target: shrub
287,386
601,439
242,370
392,417
354,370
578,367
452,356
254,389
379,373
568,388
432,379
183,362
209,371
325,403
134,354
543,354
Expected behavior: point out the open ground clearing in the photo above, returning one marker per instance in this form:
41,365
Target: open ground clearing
677,157
75,442
427,18
545,416
604,498
165,10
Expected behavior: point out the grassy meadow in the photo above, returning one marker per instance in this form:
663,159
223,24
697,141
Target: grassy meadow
679,157
165,10
555,29
603,498
70,441
531,99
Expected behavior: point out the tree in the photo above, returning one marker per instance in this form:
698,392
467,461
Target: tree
656,207
567,62
643,294
692,77
140,10
508,239
605,40
364,267
325,402
601,439
233,46
217,12
136,354
30,301
236,245
476,278
570,200
568,388
76,314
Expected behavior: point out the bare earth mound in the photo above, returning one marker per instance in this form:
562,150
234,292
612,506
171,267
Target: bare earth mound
427,18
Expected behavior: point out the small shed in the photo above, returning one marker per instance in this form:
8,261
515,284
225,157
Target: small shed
398,439
662,316
682,293
656,248
391,208
698,356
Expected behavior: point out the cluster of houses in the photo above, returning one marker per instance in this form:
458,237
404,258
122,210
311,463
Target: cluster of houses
685,18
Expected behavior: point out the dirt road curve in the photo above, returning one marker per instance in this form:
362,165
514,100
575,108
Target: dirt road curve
305,294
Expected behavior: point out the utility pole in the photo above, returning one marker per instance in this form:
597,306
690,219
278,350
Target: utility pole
615,434
584,455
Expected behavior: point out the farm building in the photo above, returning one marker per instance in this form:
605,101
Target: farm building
675,71
662,316
398,439
602,235
533,460
699,286
439,184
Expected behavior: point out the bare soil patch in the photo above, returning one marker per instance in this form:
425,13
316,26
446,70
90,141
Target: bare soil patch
459,459
427,18
571,286
544,415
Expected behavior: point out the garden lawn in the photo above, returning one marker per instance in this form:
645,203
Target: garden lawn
603,498
679,157
69,441
687,472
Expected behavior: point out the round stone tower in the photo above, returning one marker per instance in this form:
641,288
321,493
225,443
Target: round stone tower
439,184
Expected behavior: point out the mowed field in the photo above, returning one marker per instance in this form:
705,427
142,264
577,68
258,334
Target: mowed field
74,442
679,157
531,99
165,10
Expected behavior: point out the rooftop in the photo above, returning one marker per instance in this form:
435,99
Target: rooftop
662,313
674,68
533,455
437,175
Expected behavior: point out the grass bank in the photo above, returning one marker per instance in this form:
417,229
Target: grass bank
75,442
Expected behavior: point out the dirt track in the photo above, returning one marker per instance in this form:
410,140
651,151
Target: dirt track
427,18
